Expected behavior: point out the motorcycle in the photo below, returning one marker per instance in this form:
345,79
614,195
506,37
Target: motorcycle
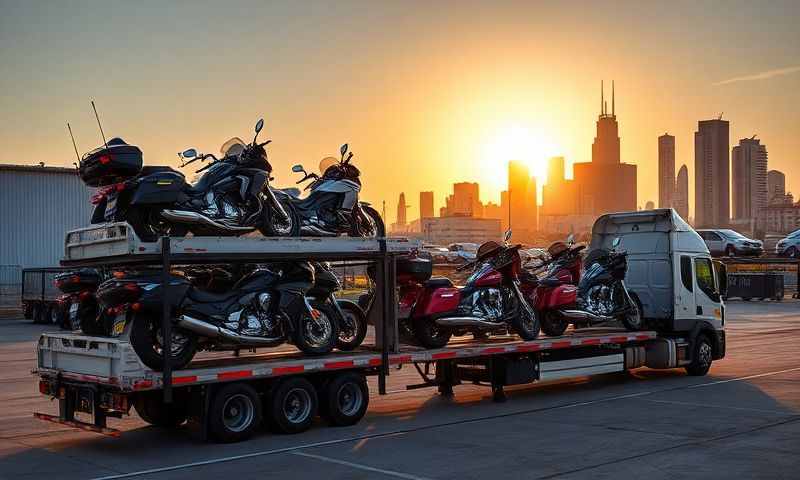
232,197
332,207
492,301
265,308
351,318
78,305
564,297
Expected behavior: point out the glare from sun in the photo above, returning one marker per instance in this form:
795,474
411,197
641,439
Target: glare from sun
523,144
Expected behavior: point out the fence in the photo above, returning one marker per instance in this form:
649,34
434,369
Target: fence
10,286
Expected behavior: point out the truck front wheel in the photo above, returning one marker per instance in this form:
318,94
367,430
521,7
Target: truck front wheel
702,355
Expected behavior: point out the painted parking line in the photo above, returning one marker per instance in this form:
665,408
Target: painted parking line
748,377
390,473
726,407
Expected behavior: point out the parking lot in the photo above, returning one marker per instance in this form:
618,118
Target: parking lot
742,420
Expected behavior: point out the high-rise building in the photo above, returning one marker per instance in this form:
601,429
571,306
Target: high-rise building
558,194
681,200
605,184
749,164
426,205
712,173
401,210
776,184
464,202
522,194
666,170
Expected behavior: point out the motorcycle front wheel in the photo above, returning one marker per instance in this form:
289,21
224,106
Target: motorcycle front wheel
526,323
369,227
146,339
353,328
632,319
317,336
273,226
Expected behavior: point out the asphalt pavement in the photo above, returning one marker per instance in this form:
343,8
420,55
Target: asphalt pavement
742,420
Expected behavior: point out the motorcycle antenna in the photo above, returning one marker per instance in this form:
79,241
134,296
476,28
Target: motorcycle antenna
99,125
73,142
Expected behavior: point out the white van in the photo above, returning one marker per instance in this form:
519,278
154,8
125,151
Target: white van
671,275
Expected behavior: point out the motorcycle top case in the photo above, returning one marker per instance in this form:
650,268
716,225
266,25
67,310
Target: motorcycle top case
418,269
77,280
105,166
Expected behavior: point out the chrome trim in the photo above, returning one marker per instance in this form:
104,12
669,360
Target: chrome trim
182,216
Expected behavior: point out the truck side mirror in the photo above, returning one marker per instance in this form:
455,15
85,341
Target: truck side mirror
722,277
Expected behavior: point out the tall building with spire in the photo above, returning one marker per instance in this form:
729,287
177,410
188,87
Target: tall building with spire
605,184
401,210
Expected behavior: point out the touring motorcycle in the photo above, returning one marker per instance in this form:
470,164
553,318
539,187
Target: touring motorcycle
494,299
232,197
265,308
332,206
563,296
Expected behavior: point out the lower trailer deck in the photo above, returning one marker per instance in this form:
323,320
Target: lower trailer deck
113,363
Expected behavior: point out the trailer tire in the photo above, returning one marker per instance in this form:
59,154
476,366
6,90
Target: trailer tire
702,356
344,399
235,413
553,324
292,405
151,408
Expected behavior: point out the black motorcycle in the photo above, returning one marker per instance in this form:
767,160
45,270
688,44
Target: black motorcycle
332,207
351,318
232,197
265,308
602,294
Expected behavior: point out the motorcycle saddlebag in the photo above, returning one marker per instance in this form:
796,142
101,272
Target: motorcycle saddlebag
77,280
161,187
106,166
417,269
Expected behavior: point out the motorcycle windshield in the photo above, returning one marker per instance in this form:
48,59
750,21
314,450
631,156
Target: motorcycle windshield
232,147
479,272
589,276
327,163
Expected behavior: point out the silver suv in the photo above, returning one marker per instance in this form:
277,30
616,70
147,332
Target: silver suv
789,246
730,243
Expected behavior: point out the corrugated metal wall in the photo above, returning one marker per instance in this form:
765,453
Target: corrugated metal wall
36,208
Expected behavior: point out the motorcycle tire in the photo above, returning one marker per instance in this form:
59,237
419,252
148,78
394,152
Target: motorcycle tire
526,324
144,339
375,218
317,337
553,324
268,228
633,320
429,335
352,332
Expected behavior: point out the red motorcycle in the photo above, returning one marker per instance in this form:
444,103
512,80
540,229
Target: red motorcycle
494,299
557,290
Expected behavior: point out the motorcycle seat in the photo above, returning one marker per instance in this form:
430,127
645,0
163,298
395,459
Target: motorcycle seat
438,282
202,296
150,169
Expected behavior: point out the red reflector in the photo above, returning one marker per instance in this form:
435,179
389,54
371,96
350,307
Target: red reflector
120,187
136,307
110,310
105,160
132,287
75,279
84,295
44,388
119,274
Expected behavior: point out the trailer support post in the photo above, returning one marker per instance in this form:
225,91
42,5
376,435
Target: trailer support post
166,324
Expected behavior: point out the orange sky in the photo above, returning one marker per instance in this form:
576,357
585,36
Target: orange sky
422,93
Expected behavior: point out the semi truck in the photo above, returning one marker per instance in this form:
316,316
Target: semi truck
677,287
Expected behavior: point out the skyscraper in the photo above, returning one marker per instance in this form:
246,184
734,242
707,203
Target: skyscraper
776,184
605,184
558,194
749,163
465,201
522,194
426,205
401,210
712,173
681,200
666,170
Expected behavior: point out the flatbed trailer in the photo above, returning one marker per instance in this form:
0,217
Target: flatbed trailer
229,395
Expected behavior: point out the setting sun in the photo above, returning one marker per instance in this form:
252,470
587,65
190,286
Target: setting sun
516,142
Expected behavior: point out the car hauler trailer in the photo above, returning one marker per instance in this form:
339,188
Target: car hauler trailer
229,395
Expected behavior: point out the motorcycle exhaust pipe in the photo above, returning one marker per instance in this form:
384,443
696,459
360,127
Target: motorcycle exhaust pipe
182,216
582,316
465,322
209,330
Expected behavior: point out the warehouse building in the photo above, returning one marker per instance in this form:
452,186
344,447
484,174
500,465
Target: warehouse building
37,205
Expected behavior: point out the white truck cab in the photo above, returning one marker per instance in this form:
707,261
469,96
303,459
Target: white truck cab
671,275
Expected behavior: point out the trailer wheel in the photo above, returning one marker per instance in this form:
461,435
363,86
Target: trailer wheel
293,404
345,399
701,357
234,413
151,408
553,324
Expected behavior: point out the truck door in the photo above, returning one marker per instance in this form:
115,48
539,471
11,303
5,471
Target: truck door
706,292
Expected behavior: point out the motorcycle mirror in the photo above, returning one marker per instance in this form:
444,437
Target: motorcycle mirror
189,153
298,169
507,235
343,149
259,125
571,238
616,242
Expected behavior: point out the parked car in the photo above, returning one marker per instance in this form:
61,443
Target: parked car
789,246
730,243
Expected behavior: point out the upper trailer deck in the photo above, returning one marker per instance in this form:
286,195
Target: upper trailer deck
113,363
118,244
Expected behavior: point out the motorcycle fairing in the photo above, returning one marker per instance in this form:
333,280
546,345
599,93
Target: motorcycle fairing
349,188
